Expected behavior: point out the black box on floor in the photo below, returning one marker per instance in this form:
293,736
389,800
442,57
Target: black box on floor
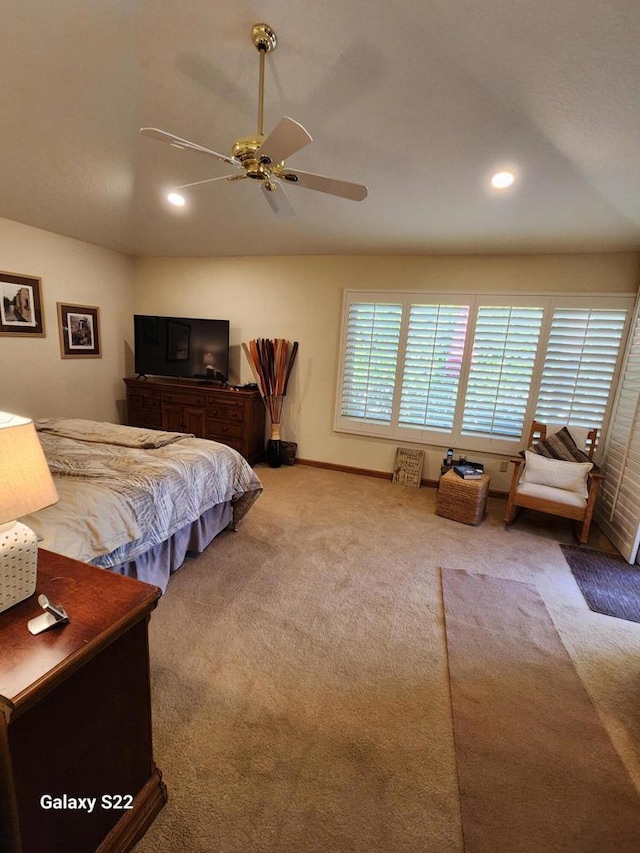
289,450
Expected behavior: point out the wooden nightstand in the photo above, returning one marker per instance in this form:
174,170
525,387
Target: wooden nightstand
75,715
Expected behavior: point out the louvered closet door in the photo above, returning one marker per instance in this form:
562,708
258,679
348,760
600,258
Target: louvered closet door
618,508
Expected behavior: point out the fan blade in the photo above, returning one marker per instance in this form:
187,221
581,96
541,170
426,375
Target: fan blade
344,189
277,200
208,181
178,142
284,140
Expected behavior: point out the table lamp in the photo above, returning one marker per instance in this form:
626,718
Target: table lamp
25,486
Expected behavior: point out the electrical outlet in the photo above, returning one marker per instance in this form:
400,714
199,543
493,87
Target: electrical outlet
503,466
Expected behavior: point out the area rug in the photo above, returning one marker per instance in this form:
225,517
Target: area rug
537,771
608,583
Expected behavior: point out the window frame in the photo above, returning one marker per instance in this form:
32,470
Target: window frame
456,438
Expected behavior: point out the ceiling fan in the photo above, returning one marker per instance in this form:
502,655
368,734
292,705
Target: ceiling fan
263,159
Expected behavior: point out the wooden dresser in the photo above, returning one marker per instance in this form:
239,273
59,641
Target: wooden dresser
75,715
236,418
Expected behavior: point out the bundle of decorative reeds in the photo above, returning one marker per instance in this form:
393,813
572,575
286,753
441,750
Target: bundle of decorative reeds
271,362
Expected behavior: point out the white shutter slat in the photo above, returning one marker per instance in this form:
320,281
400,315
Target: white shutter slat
370,361
504,351
435,345
579,366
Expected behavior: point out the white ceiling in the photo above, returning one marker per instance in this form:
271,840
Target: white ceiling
421,101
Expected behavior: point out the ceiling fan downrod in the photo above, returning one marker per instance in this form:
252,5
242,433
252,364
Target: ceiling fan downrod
264,39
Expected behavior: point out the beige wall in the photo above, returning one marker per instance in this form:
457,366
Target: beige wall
300,298
34,380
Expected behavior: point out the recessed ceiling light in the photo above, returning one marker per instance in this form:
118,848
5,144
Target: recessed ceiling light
177,199
502,180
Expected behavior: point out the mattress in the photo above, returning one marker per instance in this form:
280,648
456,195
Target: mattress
125,490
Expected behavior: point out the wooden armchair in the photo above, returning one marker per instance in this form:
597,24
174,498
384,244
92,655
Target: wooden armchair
548,499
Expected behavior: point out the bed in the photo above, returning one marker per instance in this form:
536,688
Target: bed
136,501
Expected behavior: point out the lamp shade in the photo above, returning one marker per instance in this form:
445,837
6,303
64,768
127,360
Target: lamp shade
25,481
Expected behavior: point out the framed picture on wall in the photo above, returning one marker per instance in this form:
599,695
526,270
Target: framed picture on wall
21,305
79,327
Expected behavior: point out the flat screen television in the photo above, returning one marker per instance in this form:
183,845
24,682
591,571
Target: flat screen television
181,346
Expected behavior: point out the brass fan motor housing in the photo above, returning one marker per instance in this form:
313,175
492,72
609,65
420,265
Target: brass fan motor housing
244,150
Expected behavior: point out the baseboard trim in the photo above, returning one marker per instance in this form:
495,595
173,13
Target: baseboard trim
381,475
346,469
133,825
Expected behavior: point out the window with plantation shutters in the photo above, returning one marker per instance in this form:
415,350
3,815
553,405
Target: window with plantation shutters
580,362
432,364
502,362
618,505
369,376
473,371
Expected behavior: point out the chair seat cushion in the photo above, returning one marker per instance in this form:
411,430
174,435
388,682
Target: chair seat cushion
549,493
557,473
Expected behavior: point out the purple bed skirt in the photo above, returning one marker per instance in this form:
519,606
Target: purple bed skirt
156,565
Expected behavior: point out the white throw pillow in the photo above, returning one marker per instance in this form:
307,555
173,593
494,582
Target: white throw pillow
571,476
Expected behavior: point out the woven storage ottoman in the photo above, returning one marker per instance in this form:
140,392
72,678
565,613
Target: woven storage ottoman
462,500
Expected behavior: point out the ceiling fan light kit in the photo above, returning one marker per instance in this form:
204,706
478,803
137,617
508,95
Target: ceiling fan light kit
263,159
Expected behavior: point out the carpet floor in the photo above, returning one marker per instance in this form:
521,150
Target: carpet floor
609,584
300,686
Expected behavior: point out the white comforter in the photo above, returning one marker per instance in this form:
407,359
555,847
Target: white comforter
123,489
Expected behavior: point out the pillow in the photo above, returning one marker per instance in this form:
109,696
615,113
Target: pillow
560,446
571,476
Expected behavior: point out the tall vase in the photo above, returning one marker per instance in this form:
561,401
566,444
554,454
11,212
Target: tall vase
274,447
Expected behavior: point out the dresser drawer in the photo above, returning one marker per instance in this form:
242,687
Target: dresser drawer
219,429
145,399
145,418
184,398
225,412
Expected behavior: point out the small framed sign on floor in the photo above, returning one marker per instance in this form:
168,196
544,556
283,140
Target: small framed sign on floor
407,469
